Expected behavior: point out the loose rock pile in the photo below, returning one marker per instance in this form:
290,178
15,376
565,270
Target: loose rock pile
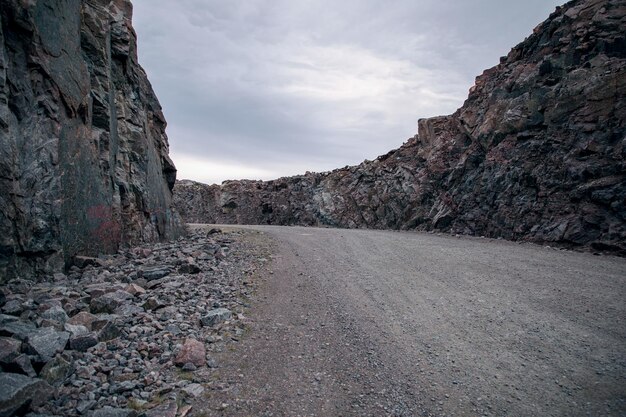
127,334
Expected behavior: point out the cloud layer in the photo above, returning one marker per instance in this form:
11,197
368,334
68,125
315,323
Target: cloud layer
267,88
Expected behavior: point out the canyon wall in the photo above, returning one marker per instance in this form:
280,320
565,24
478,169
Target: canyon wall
537,152
84,165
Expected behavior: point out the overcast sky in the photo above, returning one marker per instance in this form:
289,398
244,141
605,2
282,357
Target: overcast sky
261,89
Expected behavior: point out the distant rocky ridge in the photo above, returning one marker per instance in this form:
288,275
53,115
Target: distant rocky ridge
537,152
84,164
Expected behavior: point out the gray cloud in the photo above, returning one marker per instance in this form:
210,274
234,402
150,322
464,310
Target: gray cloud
267,88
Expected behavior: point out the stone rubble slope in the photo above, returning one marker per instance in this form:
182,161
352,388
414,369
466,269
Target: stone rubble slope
84,164
537,152
127,334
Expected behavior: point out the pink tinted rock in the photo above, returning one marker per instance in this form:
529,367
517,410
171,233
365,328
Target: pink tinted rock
192,351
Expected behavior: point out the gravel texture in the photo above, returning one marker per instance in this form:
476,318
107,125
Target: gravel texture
126,335
371,323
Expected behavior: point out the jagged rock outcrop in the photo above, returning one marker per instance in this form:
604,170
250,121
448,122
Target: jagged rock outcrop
537,152
84,163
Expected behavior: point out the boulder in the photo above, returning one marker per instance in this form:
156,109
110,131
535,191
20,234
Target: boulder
155,272
21,365
56,371
47,342
82,342
83,318
153,303
9,349
109,302
134,289
193,351
85,261
19,392
109,331
13,307
75,329
189,268
216,316
18,329
193,390
55,313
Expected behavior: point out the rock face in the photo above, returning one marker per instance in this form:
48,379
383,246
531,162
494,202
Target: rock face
537,152
19,391
84,163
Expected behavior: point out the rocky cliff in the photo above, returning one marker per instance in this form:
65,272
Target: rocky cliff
84,164
537,152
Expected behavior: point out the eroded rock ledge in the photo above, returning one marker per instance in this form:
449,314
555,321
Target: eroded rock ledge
537,152
84,164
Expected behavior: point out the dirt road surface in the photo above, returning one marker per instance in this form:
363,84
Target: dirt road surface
364,322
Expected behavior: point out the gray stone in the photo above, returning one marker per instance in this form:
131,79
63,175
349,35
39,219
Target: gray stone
9,349
110,301
22,365
173,329
19,391
55,313
56,371
216,316
194,390
122,387
75,329
153,303
85,405
83,342
189,268
189,367
41,415
83,318
47,342
102,320
52,323
134,289
109,331
5,318
18,329
127,310
155,272
13,307
85,261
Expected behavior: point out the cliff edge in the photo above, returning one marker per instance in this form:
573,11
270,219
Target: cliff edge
537,152
84,165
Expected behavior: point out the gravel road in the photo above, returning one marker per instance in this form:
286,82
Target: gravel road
364,322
